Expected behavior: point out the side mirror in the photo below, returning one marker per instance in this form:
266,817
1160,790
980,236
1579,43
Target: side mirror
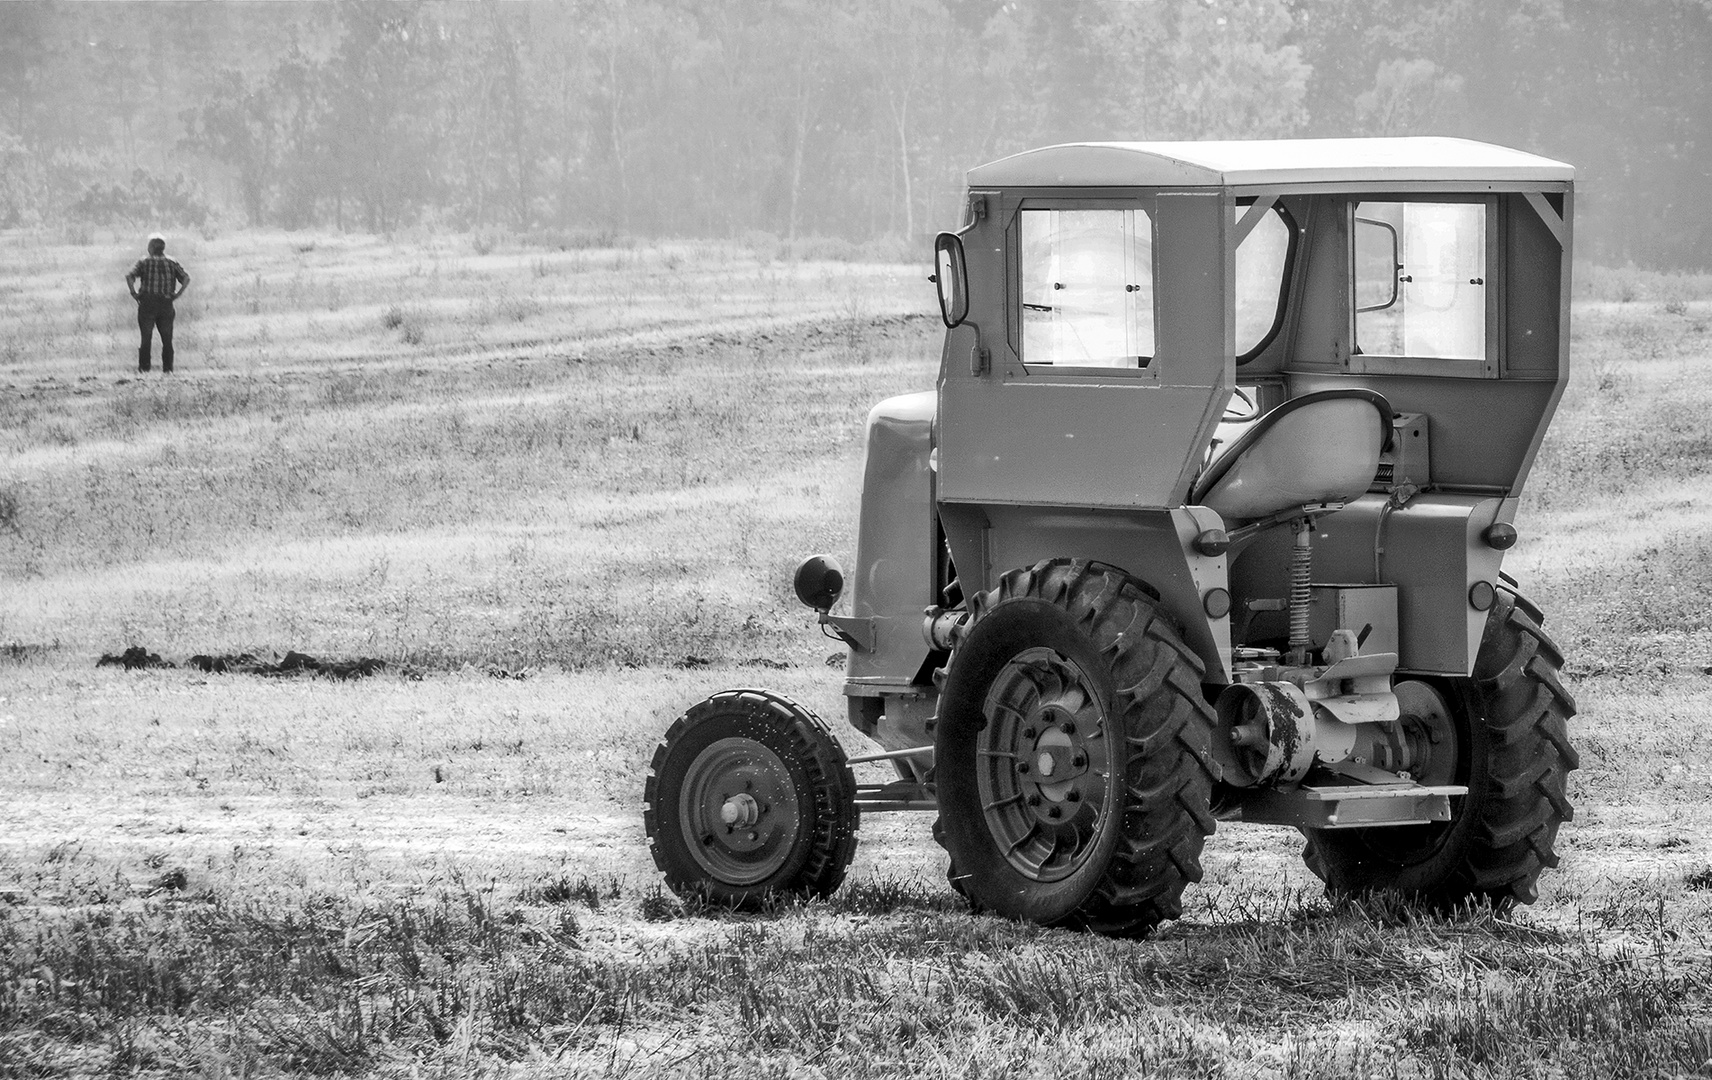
952,277
1376,267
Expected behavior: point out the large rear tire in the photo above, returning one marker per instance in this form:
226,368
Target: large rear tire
749,800
1073,753
1513,753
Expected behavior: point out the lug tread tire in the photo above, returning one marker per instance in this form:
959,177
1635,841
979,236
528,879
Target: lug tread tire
1521,800
1517,676
831,785
1168,767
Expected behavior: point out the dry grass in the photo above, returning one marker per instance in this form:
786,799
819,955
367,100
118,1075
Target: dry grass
588,466
622,472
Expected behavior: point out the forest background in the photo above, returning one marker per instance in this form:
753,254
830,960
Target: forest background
838,120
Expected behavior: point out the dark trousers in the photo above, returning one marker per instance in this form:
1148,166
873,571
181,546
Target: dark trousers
154,312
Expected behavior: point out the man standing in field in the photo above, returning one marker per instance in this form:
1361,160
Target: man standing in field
163,281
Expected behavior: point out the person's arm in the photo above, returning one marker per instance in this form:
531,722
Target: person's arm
131,282
183,282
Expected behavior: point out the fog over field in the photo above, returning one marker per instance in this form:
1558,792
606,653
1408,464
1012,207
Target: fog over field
790,119
528,349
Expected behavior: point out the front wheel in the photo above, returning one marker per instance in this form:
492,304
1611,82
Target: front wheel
749,799
1073,753
1509,729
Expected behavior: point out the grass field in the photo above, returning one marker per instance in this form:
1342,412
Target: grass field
561,493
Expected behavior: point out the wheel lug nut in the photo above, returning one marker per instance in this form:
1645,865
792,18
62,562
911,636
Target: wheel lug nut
1028,733
1053,812
1074,796
1068,727
1034,800
1022,766
1079,760
752,836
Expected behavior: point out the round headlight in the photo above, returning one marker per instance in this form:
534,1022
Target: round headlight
819,582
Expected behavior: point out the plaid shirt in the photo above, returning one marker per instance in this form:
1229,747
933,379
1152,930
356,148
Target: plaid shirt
158,272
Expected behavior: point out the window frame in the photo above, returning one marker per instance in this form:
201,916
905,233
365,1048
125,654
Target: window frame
1361,363
1284,281
1144,205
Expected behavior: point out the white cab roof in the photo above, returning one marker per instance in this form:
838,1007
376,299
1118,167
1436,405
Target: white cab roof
1266,161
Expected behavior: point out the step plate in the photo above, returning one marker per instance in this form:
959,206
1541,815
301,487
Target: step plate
1354,806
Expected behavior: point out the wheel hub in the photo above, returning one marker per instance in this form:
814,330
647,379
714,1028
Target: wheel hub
740,807
1429,741
1045,774
740,811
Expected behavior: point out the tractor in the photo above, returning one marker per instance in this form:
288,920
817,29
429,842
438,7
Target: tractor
1204,521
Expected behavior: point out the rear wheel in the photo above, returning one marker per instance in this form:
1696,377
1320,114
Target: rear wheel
748,799
1510,729
1072,753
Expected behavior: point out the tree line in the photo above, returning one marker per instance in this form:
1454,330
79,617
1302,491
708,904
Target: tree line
793,118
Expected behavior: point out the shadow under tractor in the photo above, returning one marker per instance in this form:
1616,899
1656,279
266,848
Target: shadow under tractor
1203,522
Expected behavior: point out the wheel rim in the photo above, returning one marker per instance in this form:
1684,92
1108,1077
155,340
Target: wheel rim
1043,765
1429,732
1434,746
738,811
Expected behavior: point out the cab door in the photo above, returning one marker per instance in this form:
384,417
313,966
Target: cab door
1101,356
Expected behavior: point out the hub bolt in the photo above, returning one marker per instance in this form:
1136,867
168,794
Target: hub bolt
1022,766
740,810
1068,727
1028,733
1073,796
1053,812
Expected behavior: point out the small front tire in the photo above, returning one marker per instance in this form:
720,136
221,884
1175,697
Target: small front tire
749,800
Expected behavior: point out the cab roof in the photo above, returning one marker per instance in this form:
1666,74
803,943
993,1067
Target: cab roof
1266,161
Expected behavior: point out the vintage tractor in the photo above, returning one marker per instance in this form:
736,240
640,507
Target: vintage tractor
1204,522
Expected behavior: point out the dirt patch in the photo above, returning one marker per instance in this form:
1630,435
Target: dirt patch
293,663
134,658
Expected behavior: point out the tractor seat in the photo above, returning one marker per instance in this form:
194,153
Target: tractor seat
1320,447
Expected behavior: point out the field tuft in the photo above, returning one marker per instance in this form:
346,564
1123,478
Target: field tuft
560,493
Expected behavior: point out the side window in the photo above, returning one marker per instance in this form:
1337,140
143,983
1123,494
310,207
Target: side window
1420,279
1087,288
1262,261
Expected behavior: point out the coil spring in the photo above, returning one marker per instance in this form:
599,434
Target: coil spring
1301,572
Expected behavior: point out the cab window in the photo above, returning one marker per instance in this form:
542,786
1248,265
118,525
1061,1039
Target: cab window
1087,288
1420,279
1262,268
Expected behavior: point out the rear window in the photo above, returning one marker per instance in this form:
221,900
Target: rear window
1420,279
